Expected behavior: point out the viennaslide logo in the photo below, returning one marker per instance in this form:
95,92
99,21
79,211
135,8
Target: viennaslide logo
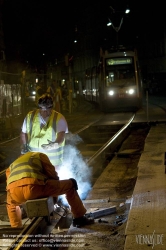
150,239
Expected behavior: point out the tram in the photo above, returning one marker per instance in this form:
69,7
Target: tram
116,84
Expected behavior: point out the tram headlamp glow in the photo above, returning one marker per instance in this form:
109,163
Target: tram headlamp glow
111,92
130,91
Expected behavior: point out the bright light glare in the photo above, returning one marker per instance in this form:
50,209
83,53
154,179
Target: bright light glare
33,92
111,92
127,11
131,91
109,24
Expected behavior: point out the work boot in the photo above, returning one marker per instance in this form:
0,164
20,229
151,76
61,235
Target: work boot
23,213
82,221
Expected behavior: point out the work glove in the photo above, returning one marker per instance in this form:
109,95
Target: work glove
50,145
74,183
24,149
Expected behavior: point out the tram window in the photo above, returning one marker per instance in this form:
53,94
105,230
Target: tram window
117,74
110,78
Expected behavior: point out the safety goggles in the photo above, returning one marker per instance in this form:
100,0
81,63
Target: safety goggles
45,108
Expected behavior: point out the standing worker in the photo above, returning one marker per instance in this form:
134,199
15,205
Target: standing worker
51,89
37,179
55,92
39,91
58,99
43,130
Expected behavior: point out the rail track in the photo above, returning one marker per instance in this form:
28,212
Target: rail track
97,144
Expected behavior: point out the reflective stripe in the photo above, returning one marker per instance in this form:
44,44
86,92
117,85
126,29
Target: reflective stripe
28,165
55,156
54,151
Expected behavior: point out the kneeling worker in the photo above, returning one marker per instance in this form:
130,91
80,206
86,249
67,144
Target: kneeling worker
32,176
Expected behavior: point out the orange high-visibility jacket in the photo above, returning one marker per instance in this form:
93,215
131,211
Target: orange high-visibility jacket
30,168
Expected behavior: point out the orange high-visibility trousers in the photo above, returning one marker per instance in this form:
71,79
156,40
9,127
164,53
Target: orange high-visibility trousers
19,195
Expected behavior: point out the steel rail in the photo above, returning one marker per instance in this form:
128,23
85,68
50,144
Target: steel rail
26,234
107,144
4,142
85,127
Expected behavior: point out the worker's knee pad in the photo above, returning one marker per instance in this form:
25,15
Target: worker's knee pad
74,183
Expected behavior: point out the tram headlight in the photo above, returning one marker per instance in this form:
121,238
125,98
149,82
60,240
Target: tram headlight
111,92
131,91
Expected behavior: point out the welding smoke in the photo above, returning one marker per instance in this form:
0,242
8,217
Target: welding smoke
75,167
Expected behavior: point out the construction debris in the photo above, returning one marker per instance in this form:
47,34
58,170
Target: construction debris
102,221
103,200
102,212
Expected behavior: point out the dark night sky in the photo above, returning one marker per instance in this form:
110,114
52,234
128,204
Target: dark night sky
32,27
35,26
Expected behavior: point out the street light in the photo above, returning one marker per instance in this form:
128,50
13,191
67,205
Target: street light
127,11
110,23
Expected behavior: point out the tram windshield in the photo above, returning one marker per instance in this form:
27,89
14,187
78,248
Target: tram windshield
120,71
